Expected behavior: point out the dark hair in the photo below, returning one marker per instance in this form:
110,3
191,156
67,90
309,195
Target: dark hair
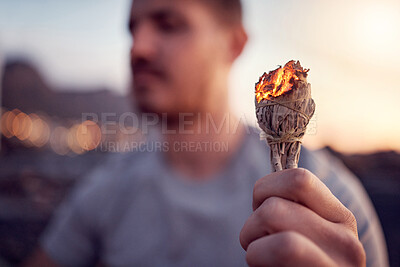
228,11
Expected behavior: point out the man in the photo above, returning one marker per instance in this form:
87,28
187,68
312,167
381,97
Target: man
179,207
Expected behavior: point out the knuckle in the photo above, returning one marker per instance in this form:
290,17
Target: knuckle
360,256
251,255
354,249
242,239
350,220
258,183
283,247
257,192
302,179
271,208
256,189
291,242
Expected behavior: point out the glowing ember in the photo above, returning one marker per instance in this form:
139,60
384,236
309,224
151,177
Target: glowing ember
279,81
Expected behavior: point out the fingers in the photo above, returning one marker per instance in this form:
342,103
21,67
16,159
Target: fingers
279,215
286,249
297,221
300,185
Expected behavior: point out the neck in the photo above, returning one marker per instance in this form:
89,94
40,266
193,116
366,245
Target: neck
202,144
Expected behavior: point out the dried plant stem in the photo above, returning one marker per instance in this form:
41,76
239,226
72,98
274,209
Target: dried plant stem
293,155
284,121
276,157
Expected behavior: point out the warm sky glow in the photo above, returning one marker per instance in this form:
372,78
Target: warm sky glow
351,47
354,66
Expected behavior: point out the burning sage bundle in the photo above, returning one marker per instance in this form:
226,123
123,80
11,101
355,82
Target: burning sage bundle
284,108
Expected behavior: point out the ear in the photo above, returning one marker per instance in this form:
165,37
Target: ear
238,42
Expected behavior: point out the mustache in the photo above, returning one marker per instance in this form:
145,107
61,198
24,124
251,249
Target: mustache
143,65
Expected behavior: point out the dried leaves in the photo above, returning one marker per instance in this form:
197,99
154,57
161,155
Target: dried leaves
284,120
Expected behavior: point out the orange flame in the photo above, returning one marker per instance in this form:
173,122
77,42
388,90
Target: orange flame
279,81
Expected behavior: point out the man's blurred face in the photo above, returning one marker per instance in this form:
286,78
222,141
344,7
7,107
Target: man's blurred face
178,56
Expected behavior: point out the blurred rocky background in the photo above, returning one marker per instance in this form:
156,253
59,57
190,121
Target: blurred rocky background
46,147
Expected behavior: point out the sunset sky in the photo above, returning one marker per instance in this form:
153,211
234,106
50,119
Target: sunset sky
351,47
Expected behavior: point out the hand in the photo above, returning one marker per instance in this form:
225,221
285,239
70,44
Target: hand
297,221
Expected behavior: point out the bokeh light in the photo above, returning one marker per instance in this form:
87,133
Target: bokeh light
9,121
22,126
88,135
6,116
59,140
40,134
72,140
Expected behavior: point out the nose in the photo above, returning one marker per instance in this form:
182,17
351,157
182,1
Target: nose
144,44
